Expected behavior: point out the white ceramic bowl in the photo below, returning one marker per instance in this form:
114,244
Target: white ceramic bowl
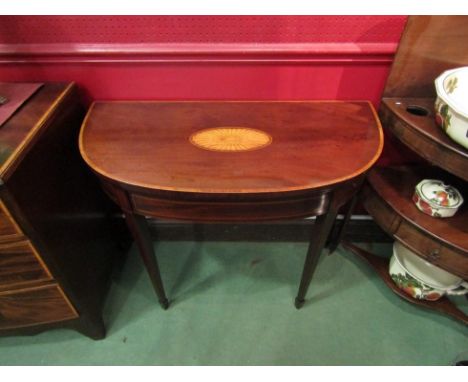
451,106
420,279
435,198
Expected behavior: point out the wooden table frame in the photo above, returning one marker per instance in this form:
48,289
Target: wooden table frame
290,174
323,203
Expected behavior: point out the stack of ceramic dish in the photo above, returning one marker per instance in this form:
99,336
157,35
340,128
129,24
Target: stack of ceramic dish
451,105
420,279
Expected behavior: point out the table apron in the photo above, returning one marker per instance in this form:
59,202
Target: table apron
230,211
257,209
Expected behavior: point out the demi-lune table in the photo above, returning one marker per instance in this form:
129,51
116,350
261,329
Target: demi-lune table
230,161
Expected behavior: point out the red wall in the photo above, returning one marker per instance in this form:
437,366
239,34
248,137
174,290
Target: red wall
204,57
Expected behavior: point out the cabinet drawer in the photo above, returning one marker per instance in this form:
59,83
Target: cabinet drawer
433,251
9,230
20,263
230,211
34,306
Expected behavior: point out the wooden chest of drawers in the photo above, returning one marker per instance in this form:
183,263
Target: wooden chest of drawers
57,242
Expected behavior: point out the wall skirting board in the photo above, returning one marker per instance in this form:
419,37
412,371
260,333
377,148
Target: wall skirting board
331,53
204,57
193,71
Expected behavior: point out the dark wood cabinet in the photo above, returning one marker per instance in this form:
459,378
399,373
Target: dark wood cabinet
430,45
57,237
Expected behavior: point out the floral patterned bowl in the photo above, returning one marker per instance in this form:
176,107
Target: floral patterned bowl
420,279
435,198
451,106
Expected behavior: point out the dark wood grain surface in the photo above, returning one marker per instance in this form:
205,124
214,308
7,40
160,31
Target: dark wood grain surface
421,133
314,144
429,46
441,241
33,306
396,186
65,236
20,263
198,209
20,132
9,229
310,159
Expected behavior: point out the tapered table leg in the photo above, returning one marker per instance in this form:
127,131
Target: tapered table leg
321,230
140,231
336,239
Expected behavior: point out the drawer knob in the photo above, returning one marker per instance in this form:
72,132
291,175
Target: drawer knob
434,255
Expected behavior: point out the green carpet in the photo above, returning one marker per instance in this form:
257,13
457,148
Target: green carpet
232,304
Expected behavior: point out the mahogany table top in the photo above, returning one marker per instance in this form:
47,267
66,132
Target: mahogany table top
231,146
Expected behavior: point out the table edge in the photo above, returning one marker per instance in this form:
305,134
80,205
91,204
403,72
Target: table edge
353,175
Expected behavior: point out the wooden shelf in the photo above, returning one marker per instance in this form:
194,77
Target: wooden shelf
442,241
407,112
422,135
396,185
380,265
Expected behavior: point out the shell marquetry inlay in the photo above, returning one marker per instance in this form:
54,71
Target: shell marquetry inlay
230,139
